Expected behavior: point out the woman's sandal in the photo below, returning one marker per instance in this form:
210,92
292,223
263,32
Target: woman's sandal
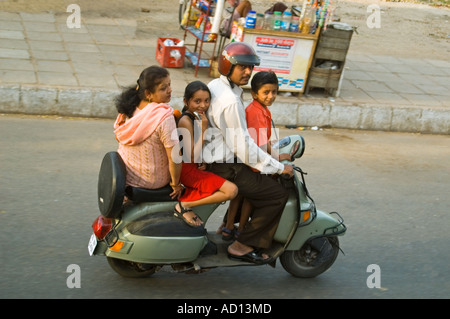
179,215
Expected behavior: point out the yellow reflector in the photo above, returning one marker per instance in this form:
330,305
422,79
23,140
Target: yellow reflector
306,215
117,246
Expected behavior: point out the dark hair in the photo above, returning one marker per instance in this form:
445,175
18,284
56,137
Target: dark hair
193,87
263,77
129,99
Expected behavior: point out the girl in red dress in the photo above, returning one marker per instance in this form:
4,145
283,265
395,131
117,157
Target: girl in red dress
202,187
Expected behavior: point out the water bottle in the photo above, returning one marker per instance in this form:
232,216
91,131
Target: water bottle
276,20
286,21
308,19
268,21
294,24
259,21
250,20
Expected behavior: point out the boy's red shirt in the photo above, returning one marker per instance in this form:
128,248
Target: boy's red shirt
259,122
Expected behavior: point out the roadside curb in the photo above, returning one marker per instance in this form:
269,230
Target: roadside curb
51,100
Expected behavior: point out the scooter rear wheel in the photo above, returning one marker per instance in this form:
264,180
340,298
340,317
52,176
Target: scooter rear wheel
131,269
314,258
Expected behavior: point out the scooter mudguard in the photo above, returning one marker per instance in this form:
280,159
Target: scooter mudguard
324,224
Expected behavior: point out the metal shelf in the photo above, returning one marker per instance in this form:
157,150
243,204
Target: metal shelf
196,54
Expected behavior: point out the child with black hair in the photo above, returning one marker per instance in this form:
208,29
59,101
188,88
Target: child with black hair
202,186
264,89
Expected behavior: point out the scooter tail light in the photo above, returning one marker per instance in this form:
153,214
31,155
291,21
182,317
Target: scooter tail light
102,226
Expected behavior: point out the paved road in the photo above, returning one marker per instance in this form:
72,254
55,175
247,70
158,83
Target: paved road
391,189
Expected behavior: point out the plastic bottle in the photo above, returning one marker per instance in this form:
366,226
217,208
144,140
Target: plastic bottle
286,21
259,24
307,19
294,24
313,27
250,20
276,20
315,13
268,21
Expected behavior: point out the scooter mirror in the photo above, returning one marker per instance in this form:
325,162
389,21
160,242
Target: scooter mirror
294,149
294,145
298,148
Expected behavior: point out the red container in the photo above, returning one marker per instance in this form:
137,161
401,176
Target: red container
166,57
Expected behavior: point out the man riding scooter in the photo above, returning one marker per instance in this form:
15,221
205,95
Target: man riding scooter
231,153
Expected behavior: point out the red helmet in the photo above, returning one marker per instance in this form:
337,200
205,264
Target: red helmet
236,53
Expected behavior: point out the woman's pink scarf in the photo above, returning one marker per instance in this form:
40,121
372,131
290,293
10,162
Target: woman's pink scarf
133,131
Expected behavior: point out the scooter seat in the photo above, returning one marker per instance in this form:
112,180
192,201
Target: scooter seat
140,195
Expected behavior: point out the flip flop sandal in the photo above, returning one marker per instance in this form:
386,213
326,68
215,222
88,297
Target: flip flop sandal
179,215
229,234
252,257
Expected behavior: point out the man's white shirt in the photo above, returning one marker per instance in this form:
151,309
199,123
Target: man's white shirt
227,136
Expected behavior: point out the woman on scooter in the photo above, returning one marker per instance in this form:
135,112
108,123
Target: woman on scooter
143,129
202,187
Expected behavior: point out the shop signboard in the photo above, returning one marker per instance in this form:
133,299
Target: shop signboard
288,56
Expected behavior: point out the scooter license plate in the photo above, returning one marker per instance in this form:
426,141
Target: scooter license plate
92,244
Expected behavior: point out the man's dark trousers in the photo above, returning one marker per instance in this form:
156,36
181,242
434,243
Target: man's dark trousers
266,196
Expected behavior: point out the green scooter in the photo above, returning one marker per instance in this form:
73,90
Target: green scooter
141,236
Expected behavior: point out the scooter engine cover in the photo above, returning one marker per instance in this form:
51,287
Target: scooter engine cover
163,224
111,185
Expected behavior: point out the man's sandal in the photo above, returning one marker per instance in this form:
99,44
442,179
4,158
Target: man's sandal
227,234
252,257
179,215
230,234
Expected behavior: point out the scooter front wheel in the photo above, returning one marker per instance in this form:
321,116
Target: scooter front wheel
131,269
314,258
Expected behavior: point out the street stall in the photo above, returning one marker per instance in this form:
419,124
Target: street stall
285,39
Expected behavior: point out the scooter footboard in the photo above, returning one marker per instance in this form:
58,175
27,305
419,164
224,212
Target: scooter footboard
325,224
